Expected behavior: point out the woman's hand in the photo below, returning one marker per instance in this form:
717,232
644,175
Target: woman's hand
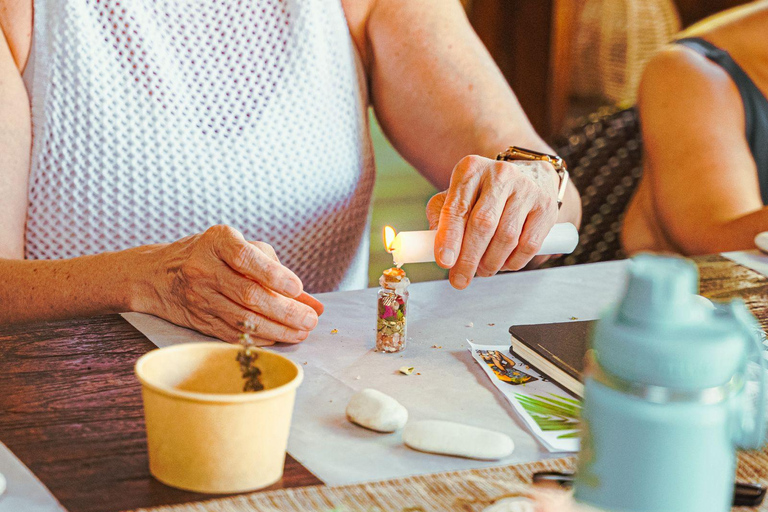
221,285
494,216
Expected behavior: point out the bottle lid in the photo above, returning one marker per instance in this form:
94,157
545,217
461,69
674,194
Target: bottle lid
662,333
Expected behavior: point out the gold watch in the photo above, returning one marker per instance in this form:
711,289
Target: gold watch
513,153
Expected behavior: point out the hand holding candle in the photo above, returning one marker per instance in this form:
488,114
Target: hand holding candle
495,215
419,246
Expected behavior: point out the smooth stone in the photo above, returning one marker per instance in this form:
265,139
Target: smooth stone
448,438
761,241
373,409
517,504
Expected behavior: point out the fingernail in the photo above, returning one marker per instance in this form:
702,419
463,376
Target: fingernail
291,288
460,281
309,321
447,257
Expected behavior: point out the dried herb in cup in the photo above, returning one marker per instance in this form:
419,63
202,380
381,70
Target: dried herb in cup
247,358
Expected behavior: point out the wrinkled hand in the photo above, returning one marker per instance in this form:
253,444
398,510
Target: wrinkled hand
494,216
221,285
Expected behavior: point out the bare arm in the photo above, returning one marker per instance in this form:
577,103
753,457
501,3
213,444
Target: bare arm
215,282
703,180
437,91
15,141
440,97
33,290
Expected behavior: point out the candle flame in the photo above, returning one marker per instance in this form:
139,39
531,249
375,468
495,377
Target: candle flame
389,237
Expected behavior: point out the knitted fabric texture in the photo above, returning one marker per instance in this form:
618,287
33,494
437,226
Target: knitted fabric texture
154,120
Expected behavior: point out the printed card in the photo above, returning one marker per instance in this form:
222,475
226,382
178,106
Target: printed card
548,411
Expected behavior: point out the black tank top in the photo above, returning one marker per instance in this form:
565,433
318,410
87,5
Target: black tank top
755,105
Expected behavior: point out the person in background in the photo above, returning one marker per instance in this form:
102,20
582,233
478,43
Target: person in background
704,117
128,129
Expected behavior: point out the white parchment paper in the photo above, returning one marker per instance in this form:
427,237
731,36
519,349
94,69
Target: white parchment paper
24,492
447,384
753,259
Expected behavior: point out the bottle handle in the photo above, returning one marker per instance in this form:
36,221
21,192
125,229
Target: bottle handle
752,433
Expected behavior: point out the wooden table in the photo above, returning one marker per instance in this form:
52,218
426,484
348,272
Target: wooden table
70,406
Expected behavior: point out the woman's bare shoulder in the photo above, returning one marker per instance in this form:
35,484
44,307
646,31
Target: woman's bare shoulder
16,27
679,65
678,80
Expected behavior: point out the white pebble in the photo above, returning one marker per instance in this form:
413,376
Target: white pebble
448,438
516,504
471,324
374,410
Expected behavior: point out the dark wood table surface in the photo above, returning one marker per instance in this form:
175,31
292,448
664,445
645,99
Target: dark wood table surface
71,410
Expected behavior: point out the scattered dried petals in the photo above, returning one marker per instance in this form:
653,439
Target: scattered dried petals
334,331
418,374
491,325
437,346
574,318
406,370
471,324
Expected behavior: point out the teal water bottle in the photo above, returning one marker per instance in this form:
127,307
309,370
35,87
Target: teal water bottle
674,386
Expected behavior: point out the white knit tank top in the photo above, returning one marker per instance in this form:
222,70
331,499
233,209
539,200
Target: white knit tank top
156,119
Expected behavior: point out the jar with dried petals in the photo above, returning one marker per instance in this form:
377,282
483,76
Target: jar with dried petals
391,312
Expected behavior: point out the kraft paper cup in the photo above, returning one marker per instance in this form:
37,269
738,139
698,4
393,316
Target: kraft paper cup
204,433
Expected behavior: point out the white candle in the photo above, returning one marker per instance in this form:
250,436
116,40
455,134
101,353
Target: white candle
419,246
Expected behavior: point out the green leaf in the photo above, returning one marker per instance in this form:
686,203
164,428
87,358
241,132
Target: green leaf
549,406
552,413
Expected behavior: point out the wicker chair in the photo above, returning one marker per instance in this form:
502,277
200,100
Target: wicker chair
613,41
604,156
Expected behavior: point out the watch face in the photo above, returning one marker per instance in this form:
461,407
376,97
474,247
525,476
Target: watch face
515,153
529,153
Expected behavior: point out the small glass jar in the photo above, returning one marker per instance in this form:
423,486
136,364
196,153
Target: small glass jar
392,311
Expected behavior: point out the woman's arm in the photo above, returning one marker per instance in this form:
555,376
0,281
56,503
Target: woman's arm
440,97
700,174
436,91
15,143
215,282
34,290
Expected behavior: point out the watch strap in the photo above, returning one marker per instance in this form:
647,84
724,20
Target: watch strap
515,153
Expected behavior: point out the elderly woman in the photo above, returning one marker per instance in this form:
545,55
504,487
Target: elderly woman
704,115
150,122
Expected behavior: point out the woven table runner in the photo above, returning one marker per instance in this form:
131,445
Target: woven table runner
464,491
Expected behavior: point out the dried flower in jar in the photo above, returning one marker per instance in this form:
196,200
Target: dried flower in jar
391,311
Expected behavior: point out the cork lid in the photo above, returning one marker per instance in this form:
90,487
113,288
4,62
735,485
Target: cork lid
393,277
